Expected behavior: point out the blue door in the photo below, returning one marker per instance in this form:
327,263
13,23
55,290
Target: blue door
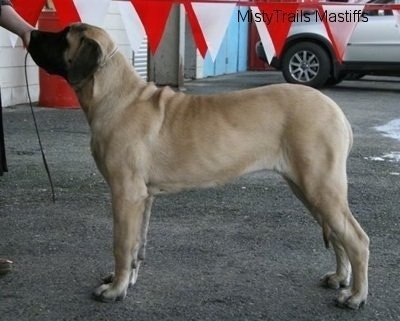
232,56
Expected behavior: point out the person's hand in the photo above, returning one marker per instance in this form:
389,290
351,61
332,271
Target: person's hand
26,37
12,21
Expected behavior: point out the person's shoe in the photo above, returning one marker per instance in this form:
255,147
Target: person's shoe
5,266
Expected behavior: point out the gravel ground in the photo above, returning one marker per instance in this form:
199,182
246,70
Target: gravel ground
245,251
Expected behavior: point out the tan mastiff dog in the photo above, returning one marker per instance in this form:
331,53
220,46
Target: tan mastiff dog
148,140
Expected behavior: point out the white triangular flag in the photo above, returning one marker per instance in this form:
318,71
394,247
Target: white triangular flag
92,11
342,30
264,34
213,19
132,23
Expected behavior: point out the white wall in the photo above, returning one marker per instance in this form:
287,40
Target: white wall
115,27
113,24
12,74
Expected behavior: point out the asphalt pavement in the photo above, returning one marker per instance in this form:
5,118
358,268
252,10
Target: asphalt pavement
245,251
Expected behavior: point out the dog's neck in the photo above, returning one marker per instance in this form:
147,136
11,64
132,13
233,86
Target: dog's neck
93,94
108,57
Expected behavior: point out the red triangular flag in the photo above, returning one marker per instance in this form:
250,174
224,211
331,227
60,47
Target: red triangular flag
196,29
278,18
154,15
66,12
30,12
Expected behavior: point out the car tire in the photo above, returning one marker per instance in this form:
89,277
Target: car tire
332,81
354,76
306,63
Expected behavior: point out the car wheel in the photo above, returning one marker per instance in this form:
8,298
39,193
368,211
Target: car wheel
306,63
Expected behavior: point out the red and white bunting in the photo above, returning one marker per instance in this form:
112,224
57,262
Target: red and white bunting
133,26
92,11
213,19
340,31
29,12
154,16
66,12
278,18
197,33
263,32
208,20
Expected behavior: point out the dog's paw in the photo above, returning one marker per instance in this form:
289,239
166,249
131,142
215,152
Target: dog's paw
132,280
347,299
109,293
334,281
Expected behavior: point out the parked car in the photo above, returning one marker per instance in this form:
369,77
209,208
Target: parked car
308,57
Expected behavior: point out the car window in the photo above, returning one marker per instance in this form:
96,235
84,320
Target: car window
379,12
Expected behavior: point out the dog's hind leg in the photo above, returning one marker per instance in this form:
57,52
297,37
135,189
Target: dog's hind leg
323,189
341,277
128,202
354,241
356,244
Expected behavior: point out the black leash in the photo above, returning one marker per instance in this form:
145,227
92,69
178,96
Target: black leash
38,136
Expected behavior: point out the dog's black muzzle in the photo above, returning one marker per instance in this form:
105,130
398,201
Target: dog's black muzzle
47,50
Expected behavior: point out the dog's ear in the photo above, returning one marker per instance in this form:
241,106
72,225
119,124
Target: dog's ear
86,61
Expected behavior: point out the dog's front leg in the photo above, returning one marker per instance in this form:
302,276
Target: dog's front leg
128,202
143,241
